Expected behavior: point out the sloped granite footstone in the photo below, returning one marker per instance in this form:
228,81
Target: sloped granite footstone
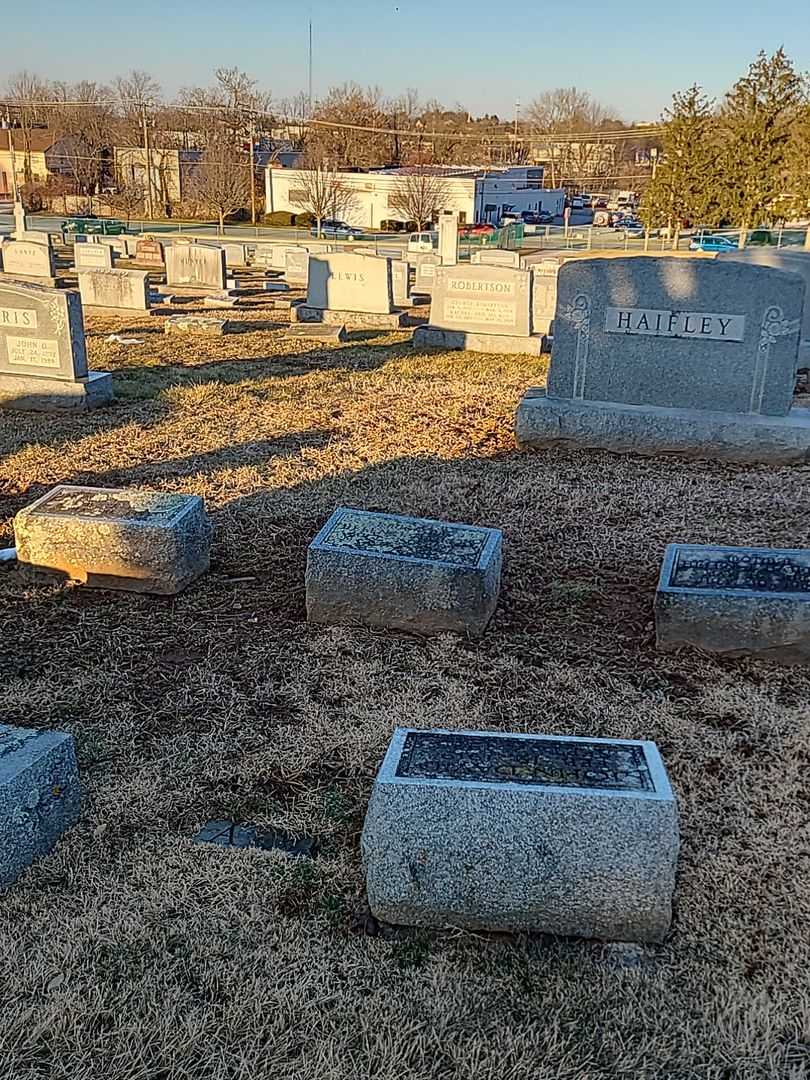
738,601
514,832
39,795
402,572
112,538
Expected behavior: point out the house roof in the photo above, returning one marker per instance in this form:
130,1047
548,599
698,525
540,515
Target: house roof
39,139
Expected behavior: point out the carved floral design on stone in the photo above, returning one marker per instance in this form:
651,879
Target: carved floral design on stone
774,326
578,313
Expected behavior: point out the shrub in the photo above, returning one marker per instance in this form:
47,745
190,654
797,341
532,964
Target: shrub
305,221
279,217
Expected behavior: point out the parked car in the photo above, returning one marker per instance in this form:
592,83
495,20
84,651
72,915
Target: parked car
712,242
629,226
577,202
510,218
336,230
478,228
90,225
423,242
536,217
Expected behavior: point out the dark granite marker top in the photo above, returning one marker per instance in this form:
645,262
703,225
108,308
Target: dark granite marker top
749,570
529,762
383,534
114,505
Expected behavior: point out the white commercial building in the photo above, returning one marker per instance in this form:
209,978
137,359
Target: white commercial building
475,194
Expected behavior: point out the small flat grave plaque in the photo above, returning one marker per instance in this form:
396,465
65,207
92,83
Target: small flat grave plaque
530,762
232,834
775,571
412,538
126,506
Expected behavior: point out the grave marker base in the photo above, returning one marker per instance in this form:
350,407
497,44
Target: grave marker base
49,282
32,393
359,320
433,337
543,421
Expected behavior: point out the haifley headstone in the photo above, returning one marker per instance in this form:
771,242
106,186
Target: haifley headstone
738,601
512,832
43,359
111,538
195,267
669,355
481,308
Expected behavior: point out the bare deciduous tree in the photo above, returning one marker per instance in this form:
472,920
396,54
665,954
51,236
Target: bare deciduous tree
128,199
220,183
419,195
321,192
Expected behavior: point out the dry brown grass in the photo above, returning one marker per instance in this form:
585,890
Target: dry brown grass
131,954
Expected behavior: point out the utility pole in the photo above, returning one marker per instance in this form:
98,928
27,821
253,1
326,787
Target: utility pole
14,190
517,117
309,117
252,174
148,153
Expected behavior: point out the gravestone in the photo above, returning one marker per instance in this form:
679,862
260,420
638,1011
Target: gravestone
400,283
348,282
316,332
296,266
192,266
544,295
235,254
43,360
108,538
149,252
448,238
665,355
496,257
738,601
93,257
402,572
481,308
206,325
425,272
794,262
20,225
39,795
125,291
29,261
513,832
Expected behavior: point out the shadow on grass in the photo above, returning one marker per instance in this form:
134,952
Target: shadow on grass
144,382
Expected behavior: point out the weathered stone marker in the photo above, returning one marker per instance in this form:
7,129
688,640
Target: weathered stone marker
149,252
794,262
124,291
448,237
345,287
735,600
107,538
669,355
39,795
296,265
27,260
522,832
403,572
481,308
193,266
93,257
198,324
316,332
492,256
43,360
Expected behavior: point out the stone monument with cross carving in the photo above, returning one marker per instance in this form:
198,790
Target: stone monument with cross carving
673,356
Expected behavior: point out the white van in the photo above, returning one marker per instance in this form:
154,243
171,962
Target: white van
423,242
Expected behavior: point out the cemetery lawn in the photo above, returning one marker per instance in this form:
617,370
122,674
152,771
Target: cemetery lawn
132,953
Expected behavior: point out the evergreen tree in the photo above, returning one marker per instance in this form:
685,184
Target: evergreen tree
683,186
756,121
798,169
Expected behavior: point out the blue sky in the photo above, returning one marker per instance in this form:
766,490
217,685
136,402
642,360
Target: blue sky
630,55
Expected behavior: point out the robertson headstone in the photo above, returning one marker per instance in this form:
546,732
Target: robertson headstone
515,832
482,299
43,359
402,572
107,538
688,356
117,290
39,795
738,601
